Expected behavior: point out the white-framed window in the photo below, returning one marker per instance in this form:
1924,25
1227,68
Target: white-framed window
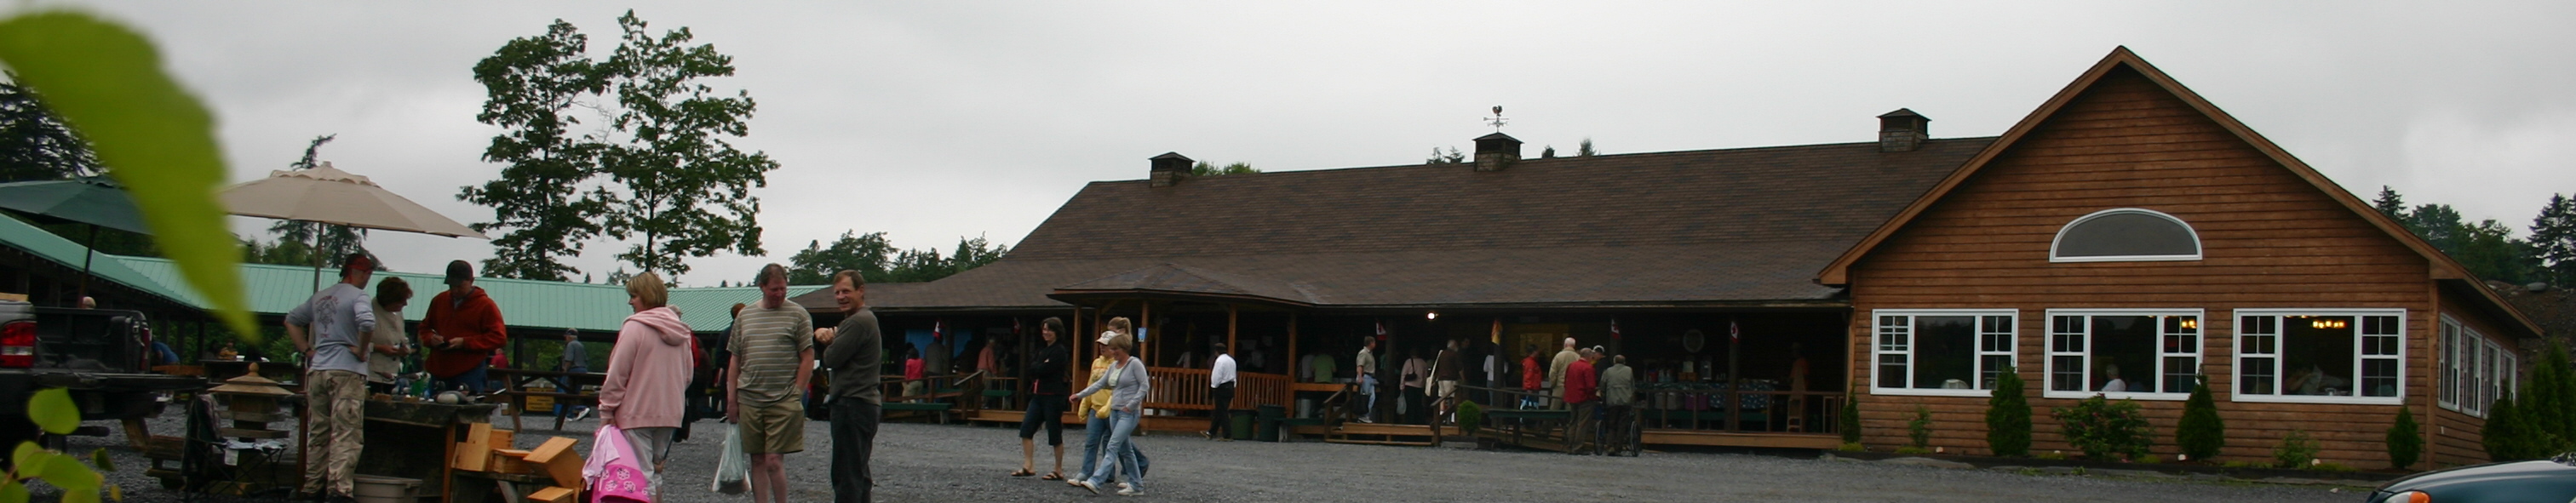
2476,370
2321,356
1946,352
2151,354
2125,235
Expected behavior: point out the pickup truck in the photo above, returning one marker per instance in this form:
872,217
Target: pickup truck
102,355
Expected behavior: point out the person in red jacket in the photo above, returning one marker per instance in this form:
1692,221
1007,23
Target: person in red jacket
1582,391
1533,377
462,328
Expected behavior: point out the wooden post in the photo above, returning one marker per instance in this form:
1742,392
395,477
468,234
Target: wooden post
1293,355
1144,318
1230,315
1734,380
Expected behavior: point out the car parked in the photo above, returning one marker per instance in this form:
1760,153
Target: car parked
2552,480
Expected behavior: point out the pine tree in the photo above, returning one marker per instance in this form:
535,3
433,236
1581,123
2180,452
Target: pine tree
2200,433
2549,398
2506,435
2390,203
2405,440
2008,416
2553,239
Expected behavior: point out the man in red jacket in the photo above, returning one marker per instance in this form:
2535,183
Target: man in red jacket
1582,391
463,327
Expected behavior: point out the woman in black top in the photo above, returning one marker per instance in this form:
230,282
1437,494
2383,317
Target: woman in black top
1046,403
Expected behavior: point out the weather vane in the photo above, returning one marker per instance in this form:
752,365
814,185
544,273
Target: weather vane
1497,120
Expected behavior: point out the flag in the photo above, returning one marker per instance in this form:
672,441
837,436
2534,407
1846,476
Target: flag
1498,331
939,330
1614,329
1734,332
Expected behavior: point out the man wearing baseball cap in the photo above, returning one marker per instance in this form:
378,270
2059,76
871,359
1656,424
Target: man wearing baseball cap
462,328
331,329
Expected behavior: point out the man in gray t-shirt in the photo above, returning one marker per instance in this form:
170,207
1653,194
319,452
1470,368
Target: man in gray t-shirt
331,329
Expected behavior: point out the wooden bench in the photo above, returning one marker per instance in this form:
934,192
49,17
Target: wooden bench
938,408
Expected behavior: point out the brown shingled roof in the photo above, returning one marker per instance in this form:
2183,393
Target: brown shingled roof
1732,226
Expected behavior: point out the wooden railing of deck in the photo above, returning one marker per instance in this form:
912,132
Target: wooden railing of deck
1187,389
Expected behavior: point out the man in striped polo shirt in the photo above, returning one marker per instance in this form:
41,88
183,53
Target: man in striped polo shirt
773,359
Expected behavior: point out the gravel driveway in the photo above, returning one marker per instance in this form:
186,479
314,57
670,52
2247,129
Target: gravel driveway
916,462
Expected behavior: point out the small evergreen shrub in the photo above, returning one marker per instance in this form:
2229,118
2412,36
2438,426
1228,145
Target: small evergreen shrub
2405,440
2200,433
2104,429
2296,450
1470,416
1851,415
1919,430
2008,416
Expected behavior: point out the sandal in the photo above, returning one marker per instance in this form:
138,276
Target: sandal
1053,476
1022,473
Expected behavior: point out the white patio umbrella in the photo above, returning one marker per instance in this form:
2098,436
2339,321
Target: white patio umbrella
328,195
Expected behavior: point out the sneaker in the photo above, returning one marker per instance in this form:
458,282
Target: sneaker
1210,435
1131,492
584,412
1088,486
1122,486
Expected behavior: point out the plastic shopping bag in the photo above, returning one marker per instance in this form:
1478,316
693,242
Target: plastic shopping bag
733,471
622,478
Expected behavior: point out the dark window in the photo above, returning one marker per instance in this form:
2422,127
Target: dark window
2127,233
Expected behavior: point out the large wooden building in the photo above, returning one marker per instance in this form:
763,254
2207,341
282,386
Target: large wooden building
2126,236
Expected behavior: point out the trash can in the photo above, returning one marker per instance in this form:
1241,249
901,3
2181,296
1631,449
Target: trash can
1242,428
1270,415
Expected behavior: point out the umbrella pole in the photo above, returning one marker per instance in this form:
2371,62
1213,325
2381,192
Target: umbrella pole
88,252
317,255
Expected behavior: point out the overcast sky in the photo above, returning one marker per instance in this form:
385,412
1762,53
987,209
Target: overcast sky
933,121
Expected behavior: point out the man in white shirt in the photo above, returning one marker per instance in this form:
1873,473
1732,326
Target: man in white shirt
1220,391
1367,367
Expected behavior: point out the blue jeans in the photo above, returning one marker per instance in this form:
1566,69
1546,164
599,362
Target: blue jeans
1095,435
1120,456
564,385
476,381
1368,397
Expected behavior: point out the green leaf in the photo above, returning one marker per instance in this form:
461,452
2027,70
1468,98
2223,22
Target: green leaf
71,475
53,410
115,493
99,458
12,492
26,451
88,496
107,81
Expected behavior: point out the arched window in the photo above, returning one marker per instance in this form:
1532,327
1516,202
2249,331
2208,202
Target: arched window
2125,235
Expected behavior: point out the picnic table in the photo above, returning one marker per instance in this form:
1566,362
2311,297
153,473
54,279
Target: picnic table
516,384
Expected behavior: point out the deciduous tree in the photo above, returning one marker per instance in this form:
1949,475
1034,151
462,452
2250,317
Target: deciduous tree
531,85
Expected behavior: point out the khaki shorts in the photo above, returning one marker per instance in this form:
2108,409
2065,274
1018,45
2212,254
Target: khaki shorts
773,429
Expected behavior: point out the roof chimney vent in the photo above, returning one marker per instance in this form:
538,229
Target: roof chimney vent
1495,151
1903,131
1169,168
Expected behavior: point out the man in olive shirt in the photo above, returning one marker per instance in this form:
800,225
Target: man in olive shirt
854,352
773,360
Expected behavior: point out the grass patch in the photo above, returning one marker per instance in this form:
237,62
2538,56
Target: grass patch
1851,447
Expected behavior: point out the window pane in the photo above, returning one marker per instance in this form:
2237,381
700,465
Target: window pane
2124,350
1996,334
1995,365
2066,373
1945,352
2379,377
2449,370
1891,371
2127,234
2180,373
2257,378
2317,352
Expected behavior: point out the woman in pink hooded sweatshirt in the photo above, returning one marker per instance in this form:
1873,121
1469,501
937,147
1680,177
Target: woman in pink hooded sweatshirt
648,372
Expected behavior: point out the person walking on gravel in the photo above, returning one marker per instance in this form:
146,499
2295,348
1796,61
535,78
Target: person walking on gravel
647,369
773,359
854,352
1127,383
1046,402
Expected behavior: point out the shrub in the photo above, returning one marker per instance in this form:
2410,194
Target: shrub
2200,433
2102,428
1919,430
2511,434
1851,447
1470,416
2296,450
1851,415
2008,416
2549,400
2405,440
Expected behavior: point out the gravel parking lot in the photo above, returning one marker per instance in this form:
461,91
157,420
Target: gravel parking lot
917,462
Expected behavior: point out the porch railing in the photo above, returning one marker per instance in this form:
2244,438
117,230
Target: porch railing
1187,389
